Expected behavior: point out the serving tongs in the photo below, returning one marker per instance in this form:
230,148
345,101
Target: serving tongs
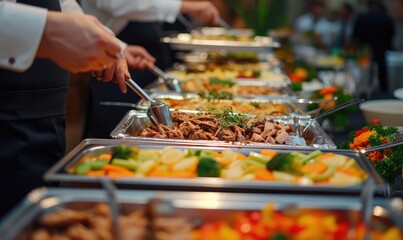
227,27
299,139
171,83
158,112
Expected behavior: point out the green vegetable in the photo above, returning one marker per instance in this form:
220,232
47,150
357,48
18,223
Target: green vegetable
129,164
310,157
215,96
217,81
258,157
99,164
208,167
257,73
323,176
285,162
228,117
206,154
279,236
83,168
255,163
124,152
255,104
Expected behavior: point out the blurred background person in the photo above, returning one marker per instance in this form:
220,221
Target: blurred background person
135,22
314,23
345,25
396,10
375,29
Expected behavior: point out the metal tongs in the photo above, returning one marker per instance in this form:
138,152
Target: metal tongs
171,83
225,25
158,112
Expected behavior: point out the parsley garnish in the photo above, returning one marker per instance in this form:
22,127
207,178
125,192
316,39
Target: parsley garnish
217,81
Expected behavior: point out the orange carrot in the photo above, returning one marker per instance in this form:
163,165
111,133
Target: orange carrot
314,167
224,162
114,175
175,174
240,156
263,175
113,168
87,157
268,153
217,154
350,171
324,156
106,156
96,173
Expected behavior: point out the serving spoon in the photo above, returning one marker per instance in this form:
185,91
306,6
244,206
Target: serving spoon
158,112
171,83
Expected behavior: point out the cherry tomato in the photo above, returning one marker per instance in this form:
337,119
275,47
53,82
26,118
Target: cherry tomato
375,121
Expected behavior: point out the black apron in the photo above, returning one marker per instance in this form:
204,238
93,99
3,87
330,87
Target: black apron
101,120
32,123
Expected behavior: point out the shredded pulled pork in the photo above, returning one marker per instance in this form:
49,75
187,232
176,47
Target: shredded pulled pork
206,126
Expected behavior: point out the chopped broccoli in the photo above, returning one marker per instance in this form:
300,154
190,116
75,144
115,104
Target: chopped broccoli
285,162
124,152
208,167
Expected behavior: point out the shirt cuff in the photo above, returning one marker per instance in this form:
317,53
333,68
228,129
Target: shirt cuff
171,10
21,29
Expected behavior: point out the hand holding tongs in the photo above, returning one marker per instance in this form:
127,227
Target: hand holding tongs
158,112
171,83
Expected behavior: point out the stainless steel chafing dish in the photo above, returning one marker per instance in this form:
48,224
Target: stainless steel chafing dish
134,122
59,172
195,207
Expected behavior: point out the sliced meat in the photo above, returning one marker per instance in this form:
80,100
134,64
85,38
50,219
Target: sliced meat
257,138
281,137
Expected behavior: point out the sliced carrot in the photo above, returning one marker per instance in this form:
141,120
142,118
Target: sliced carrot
87,157
350,171
270,153
193,168
175,174
324,156
106,156
240,156
314,167
114,175
96,173
217,154
263,175
224,162
113,168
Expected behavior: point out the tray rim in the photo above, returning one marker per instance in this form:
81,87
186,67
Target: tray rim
54,173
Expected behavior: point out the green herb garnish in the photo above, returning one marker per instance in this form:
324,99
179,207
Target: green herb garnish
228,118
214,95
255,104
224,82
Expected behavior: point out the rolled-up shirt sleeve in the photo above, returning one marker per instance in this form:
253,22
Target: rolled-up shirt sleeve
21,29
140,10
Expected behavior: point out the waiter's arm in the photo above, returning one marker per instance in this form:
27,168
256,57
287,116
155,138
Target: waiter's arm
76,42
17,22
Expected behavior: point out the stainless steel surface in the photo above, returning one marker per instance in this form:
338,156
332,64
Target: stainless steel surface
134,122
297,139
383,146
225,25
367,196
118,104
207,206
335,109
158,112
58,173
171,83
111,193
184,41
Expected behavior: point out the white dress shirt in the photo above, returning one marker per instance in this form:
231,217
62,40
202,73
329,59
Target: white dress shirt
115,14
21,29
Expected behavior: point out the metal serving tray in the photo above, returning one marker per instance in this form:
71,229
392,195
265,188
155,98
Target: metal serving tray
135,121
58,173
203,207
185,41
292,103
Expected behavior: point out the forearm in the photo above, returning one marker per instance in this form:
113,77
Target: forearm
140,10
18,21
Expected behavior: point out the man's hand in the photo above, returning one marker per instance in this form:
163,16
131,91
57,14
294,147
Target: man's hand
117,73
78,42
138,58
202,10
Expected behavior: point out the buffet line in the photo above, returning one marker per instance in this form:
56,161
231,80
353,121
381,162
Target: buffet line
245,158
